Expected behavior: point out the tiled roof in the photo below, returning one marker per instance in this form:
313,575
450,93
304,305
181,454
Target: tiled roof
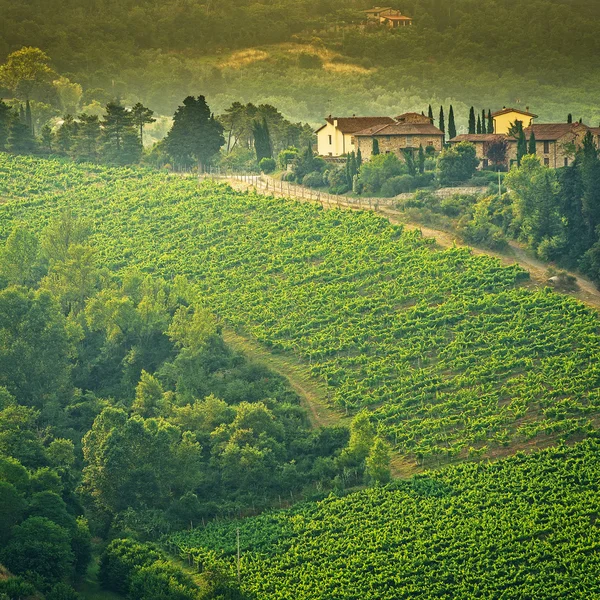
353,124
396,18
478,137
401,129
554,131
505,111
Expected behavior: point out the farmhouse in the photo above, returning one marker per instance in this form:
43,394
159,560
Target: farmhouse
407,131
503,119
556,143
335,137
387,16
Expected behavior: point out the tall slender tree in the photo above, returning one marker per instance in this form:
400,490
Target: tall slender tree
490,125
5,118
532,149
141,116
20,139
569,118
122,144
375,150
478,124
442,123
421,160
472,122
29,117
262,140
451,124
483,123
521,144
430,114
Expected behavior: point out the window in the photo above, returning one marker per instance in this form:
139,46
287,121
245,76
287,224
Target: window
430,143
547,162
330,140
546,147
566,162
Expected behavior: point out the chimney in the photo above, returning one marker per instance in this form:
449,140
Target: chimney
527,108
335,122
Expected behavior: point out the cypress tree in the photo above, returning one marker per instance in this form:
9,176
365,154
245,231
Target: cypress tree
262,140
532,145
442,123
569,118
483,125
353,165
472,124
490,126
478,124
451,124
430,114
29,117
521,146
421,159
359,159
375,150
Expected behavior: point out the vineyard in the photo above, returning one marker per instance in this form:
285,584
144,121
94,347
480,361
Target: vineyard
450,353
524,527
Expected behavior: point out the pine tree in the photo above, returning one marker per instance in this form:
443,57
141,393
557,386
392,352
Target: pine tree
430,114
451,124
87,138
532,145
142,116
65,136
478,124
20,139
47,139
483,125
375,150
490,125
195,134
569,118
421,160
472,123
121,143
442,123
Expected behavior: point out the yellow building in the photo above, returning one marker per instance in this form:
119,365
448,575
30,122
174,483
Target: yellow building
335,137
503,119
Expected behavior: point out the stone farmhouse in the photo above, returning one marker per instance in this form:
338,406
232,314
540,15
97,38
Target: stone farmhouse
556,143
341,136
390,17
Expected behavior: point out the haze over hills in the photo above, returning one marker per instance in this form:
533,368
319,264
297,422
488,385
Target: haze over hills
540,53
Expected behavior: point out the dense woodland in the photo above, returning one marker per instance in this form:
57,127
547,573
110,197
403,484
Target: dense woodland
502,52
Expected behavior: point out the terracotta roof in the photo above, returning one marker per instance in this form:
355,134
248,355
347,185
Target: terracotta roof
478,137
377,9
553,131
354,124
396,18
401,129
595,130
505,111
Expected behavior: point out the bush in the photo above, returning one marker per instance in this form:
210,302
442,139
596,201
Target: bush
457,204
287,157
313,180
267,165
379,169
457,164
421,200
398,185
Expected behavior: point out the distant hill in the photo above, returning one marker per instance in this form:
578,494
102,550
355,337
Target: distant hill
541,53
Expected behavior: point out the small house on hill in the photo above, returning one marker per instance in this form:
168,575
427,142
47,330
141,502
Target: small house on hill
335,137
387,16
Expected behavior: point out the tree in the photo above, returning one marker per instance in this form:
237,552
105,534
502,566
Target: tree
195,134
478,124
39,546
359,159
483,125
20,139
451,124
472,122
65,136
63,232
149,397
378,462
532,149
569,118
430,114
12,508
87,138
29,117
457,164
490,126
69,95
262,140
521,146
497,152
589,164
19,256
122,145
25,70
442,125
421,159
142,116
409,161
375,150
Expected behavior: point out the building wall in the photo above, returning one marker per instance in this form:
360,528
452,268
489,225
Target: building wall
502,123
396,143
332,142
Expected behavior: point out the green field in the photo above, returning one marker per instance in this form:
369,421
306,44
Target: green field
446,349
525,527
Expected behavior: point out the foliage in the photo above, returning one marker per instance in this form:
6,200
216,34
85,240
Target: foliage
457,164
267,165
379,169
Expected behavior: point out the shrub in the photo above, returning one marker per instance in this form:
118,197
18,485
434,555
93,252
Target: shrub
398,185
457,164
457,204
379,169
267,165
313,180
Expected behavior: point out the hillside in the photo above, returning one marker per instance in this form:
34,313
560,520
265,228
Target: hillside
497,52
452,357
525,527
